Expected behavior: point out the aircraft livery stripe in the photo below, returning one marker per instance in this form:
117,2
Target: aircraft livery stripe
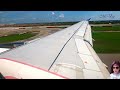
35,67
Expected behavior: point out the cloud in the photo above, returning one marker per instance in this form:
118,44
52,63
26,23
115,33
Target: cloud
53,13
61,15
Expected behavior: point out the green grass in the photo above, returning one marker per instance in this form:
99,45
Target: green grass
106,42
113,28
15,37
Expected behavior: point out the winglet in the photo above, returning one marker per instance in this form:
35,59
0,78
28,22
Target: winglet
88,19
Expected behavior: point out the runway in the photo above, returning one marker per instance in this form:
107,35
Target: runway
109,58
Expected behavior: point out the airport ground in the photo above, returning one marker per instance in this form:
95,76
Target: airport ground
108,58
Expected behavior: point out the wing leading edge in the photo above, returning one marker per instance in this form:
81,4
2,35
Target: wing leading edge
65,54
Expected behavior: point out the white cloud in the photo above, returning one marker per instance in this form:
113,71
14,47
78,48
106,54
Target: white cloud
53,13
61,15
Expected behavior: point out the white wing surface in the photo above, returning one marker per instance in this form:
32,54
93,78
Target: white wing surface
65,54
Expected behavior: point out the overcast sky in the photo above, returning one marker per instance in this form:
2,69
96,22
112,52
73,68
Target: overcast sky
9,17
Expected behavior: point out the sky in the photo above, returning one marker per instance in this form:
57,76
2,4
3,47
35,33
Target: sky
13,17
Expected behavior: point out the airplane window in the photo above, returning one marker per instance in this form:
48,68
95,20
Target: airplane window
1,76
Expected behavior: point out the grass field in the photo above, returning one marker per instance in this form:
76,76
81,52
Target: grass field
112,28
106,42
15,37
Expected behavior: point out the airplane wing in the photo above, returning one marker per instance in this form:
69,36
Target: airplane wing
3,49
66,54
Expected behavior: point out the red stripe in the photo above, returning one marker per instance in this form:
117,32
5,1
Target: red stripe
10,77
36,67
